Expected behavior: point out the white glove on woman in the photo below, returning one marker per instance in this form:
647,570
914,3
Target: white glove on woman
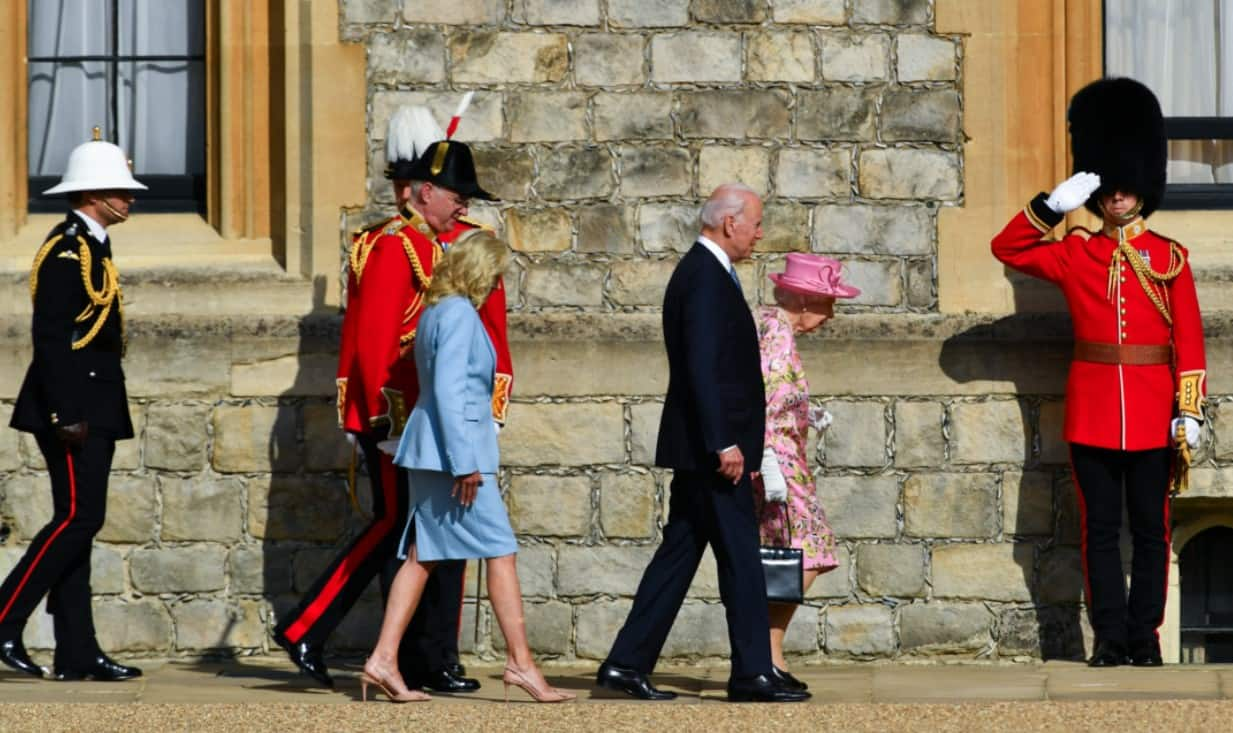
773,483
820,418
1073,192
1194,431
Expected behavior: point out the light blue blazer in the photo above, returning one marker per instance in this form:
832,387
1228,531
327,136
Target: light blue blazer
451,428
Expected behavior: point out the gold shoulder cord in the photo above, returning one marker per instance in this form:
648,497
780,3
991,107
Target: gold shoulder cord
38,262
100,300
1151,281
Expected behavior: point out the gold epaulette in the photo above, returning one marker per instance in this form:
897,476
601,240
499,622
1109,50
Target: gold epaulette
362,241
1082,230
477,224
44,252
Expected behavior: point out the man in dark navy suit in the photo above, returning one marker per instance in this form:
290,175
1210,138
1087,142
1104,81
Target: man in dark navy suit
713,418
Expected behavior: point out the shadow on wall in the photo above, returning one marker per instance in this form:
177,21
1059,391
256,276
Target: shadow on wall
1028,355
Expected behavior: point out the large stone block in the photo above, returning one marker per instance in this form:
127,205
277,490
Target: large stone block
909,173
857,437
611,569
407,56
298,508
550,628
556,12
507,172
547,116
860,506
700,630
989,432
216,624
925,58
558,506
634,116
695,56
27,501
940,628
564,284
837,113
814,173
644,431
835,583
606,229
860,229
202,508
483,121
177,366
1000,572
297,375
132,626
571,434
639,282
644,14
848,57
598,624
627,505
1054,449
608,59
1061,575
254,569
176,436
779,56
749,165
539,230
950,505
922,289
754,114
327,448
461,12
178,569
1027,503
918,434
577,173
1069,527
891,12
255,438
728,11
891,570
106,570
367,11
584,368
132,511
785,228
667,227
536,571
492,57
656,170
811,12
920,114
10,443
880,281
859,631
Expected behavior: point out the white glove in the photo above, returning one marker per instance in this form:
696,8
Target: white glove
499,426
773,485
1073,192
820,418
1194,430
389,447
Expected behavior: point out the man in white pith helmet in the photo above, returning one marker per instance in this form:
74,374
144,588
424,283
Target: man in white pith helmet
74,402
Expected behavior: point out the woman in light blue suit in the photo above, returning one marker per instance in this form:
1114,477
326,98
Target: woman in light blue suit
449,447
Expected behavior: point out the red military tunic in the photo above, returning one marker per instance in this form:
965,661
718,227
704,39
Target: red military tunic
1118,406
390,269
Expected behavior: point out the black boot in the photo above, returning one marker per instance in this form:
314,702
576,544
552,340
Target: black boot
1146,653
13,653
1108,654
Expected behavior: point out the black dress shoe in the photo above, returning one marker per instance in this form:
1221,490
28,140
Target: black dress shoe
631,682
102,669
1108,654
444,680
308,657
13,653
1146,654
762,688
785,679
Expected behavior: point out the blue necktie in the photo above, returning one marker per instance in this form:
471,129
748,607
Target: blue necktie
735,279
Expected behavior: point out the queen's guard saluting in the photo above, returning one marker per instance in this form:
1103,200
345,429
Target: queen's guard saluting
1134,397
74,402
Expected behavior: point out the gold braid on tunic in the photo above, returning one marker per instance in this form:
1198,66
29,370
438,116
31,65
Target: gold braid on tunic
1152,282
101,300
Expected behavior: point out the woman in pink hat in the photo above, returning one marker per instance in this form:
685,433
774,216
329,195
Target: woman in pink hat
805,294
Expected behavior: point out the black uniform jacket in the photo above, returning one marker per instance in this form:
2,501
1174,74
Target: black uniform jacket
715,394
66,385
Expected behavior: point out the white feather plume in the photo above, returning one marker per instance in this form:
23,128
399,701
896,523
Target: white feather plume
410,132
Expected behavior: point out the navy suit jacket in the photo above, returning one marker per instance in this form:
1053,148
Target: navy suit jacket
715,394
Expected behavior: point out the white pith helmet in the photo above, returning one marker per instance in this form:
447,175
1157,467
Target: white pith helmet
96,165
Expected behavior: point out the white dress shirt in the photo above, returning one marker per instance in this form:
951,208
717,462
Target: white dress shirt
97,230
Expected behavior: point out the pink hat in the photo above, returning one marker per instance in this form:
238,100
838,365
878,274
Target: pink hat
813,275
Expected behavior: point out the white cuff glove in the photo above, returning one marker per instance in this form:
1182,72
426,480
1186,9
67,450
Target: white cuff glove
389,447
773,484
820,418
1073,192
1194,431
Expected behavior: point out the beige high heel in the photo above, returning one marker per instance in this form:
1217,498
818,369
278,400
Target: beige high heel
408,696
516,678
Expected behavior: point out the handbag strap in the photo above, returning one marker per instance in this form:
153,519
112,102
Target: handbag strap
787,521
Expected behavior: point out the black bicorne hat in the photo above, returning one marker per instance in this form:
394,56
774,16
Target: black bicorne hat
1117,132
449,164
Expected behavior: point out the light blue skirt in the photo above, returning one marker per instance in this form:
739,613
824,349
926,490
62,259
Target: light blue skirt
442,529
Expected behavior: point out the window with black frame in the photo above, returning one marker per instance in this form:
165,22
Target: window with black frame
1181,50
136,70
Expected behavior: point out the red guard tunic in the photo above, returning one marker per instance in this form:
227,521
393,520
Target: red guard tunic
1118,406
390,270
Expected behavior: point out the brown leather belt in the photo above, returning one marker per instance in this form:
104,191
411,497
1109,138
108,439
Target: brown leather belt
1130,354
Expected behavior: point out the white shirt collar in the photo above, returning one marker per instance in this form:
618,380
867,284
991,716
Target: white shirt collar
720,255
97,230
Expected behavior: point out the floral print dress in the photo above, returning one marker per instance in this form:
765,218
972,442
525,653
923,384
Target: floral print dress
787,429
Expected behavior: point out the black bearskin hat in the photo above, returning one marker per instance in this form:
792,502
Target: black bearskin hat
1117,132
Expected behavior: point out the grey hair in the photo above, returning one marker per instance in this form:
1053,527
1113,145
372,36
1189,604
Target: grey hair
416,187
727,200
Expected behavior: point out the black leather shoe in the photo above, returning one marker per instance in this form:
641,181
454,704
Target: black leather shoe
444,680
1108,654
631,682
762,688
308,657
1146,654
13,653
457,669
102,669
785,679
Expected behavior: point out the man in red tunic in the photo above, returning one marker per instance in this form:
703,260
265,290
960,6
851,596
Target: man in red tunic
390,268
1136,385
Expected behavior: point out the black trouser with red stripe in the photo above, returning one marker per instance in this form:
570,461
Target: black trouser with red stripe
1104,476
57,563
342,583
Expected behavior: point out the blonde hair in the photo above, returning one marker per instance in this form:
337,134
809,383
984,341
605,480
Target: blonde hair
469,268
